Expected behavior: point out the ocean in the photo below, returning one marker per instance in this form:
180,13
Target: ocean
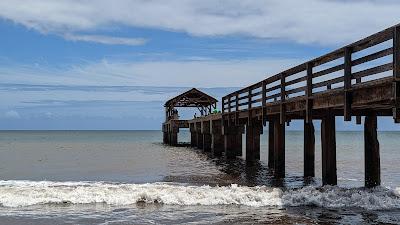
130,177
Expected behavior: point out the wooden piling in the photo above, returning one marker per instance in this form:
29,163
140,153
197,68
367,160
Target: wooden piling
217,140
328,142
232,141
279,149
173,138
205,130
193,139
371,151
309,149
193,135
199,136
271,145
253,132
207,142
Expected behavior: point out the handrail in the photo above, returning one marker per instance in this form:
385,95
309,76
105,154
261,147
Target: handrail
303,80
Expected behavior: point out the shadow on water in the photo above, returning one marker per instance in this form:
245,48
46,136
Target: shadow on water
239,171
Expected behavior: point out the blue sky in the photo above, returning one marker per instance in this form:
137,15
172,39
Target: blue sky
81,64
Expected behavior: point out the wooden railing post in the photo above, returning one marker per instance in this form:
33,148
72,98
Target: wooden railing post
263,103
347,84
249,99
396,74
283,93
229,103
237,109
309,92
358,118
249,106
237,101
223,105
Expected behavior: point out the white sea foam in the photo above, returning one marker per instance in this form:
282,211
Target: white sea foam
25,193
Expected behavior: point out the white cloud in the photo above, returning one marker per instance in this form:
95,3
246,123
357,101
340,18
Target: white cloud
204,73
106,39
12,114
316,21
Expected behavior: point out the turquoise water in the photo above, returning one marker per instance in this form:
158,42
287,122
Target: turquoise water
129,177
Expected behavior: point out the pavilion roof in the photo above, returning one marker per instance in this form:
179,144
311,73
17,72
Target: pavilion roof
191,98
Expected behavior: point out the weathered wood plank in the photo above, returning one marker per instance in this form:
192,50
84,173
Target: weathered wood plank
373,56
373,70
328,82
329,70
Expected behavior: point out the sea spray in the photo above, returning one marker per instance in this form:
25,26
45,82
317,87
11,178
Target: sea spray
25,193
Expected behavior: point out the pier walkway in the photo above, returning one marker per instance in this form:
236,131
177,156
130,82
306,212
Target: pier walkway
359,80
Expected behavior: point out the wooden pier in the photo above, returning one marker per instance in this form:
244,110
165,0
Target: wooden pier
358,80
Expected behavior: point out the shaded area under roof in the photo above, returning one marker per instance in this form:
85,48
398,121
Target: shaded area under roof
191,98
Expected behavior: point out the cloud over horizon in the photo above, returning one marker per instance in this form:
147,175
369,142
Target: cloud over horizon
326,22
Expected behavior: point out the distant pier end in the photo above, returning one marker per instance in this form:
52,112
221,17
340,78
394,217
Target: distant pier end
193,98
361,79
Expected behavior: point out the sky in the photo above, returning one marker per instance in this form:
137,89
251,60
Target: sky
81,64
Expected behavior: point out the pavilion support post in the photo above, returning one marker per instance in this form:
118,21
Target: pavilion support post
232,141
271,145
217,139
253,132
279,149
328,142
309,149
371,151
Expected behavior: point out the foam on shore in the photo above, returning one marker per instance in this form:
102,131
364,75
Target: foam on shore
26,193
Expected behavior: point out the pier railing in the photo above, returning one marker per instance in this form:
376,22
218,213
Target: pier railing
372,59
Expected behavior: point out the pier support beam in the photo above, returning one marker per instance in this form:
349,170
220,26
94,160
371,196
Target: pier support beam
193,139
193,135
173,137
199,136
232,141
279,149
253,132
328,142
205,130
207,142
165,137
309,149
217,140
271,145
371,151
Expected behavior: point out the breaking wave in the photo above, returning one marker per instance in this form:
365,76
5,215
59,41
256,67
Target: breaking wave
26,193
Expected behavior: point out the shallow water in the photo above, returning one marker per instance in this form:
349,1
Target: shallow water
129,177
